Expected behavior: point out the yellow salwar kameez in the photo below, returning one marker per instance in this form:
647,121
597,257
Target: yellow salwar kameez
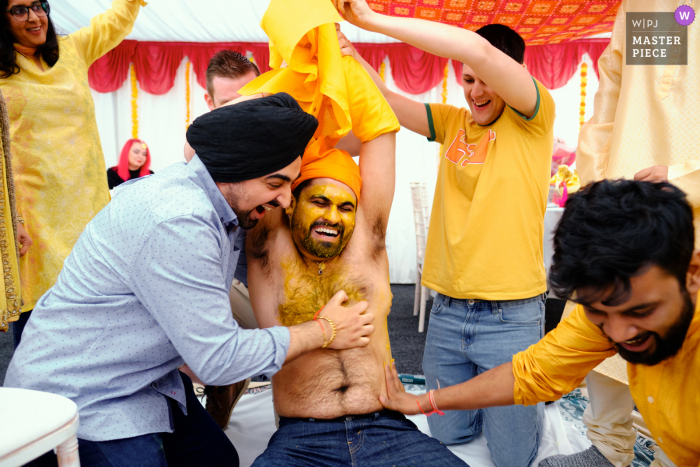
59,168
10,298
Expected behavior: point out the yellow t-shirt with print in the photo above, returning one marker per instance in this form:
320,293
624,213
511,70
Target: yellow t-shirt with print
485,239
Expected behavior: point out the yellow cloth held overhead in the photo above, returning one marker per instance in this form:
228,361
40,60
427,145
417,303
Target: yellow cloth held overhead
334,89
335,164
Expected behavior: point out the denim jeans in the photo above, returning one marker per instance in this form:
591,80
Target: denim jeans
196,440
468,337
383,438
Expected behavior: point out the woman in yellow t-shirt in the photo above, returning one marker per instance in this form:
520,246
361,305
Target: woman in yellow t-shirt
59,169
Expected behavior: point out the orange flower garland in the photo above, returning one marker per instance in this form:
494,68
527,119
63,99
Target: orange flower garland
382,69
134,104
582,113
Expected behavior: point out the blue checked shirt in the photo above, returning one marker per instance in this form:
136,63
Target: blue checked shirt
145,290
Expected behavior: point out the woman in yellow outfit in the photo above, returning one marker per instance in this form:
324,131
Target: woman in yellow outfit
10,299
56,151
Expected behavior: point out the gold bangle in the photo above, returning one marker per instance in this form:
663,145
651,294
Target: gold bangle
326,344
20,220
323,330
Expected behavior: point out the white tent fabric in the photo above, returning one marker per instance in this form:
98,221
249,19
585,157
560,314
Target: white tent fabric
162,119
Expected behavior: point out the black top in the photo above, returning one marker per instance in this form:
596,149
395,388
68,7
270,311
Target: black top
113,178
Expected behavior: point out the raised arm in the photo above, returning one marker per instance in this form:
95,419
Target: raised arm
411,114
106,30
505,76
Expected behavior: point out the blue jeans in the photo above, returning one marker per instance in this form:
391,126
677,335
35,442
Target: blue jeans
196,440
383,438
468,337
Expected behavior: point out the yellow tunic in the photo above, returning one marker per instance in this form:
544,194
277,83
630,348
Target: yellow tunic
334,89
56,151
10,298
666,394
644,116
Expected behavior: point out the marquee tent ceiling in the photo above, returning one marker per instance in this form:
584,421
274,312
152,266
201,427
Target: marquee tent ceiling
538,21
190,20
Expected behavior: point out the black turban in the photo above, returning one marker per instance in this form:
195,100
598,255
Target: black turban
251,139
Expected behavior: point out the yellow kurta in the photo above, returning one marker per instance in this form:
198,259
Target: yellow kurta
332,88
57,156
10,298
644,116
666,394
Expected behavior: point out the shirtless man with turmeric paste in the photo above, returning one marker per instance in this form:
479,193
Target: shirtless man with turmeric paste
331,238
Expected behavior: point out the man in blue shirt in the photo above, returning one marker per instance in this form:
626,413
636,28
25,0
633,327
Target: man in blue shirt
145,290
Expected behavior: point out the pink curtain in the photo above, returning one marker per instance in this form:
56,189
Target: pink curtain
413,70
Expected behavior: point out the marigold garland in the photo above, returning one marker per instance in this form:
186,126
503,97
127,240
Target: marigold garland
134,104
444,83
187,93
582,113
382,68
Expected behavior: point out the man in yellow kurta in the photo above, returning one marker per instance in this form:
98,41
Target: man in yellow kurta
644,126
56,150
624,251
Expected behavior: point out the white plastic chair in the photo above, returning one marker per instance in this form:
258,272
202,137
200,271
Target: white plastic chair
421,220
32,423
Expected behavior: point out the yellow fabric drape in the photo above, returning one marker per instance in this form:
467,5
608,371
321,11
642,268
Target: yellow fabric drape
10,297
334,89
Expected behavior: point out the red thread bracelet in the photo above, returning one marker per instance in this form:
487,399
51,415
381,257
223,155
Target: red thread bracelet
431,398
319,312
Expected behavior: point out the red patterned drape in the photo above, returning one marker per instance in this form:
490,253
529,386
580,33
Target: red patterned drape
156,63
413,70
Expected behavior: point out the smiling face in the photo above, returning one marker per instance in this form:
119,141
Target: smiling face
651,324
323,218
250,199
137,155
31,33
486,106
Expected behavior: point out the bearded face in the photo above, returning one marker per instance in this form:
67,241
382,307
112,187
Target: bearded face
323,218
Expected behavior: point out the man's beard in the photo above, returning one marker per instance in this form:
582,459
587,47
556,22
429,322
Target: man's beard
667,346
244,220
233,196
324,249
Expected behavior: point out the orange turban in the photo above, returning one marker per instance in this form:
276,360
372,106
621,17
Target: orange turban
335,164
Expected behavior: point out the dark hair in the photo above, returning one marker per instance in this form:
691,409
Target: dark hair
297,191
614,230
8,58
504,39
228,64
